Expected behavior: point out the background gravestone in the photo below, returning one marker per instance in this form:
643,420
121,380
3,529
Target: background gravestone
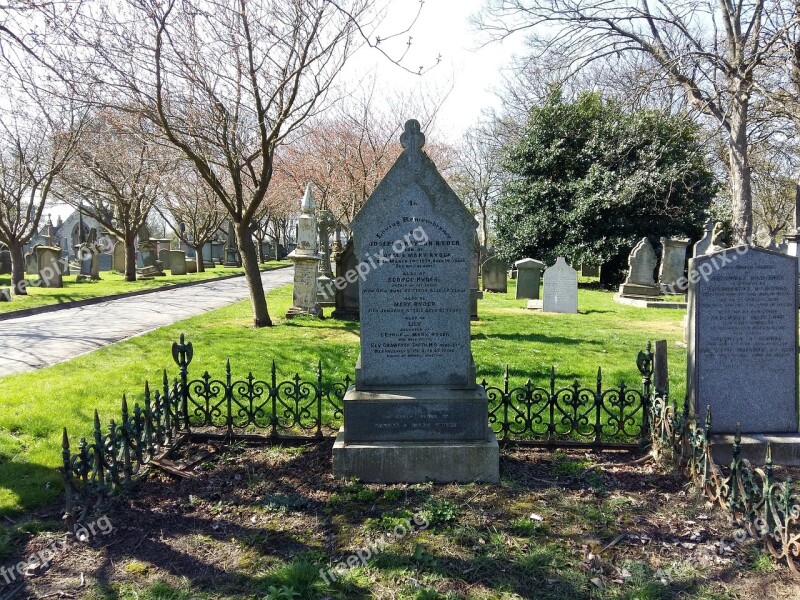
529,272
346,298
641,266
5,262
104,262
672,272
560,288
415,412
48,260
177,261
164,256
494,274
118,257
704,243
742,343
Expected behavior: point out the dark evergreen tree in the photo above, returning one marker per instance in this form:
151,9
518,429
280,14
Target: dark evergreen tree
587,180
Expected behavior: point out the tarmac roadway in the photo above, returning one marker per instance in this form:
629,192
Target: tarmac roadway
40,340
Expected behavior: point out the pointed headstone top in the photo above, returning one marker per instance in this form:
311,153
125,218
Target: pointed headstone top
412,139
308,206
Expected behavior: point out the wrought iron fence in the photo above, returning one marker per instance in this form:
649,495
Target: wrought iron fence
277,410
760,506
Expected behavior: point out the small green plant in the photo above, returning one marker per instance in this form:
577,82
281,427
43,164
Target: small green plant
392,495
281,593
440,512
761,562
428,594
300,576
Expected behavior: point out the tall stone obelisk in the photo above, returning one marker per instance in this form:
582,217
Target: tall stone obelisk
306,262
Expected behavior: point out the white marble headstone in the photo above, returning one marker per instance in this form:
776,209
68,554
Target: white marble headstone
560,288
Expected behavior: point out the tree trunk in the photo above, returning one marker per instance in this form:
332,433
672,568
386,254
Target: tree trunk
130,258
740,181
198,256
18,283
250,263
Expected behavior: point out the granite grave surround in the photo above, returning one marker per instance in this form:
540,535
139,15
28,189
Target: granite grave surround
415,412
742,350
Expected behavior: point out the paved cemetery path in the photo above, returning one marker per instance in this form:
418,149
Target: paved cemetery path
36,341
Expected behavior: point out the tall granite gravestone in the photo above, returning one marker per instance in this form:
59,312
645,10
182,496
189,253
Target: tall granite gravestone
742,343
49,266
641,266
672,272
560,288
494,275
346,288
529,272
415,412
306,261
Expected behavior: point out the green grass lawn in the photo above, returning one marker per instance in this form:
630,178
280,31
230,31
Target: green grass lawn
110,283
37,405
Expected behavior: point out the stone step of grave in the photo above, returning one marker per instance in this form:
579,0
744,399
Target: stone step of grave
645,302
753,447
419,461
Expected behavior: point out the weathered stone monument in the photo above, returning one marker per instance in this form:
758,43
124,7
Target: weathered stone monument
494,274
5,262
232,258
641,265
742,342
88,252
672,272
306,261
529,272
560,288
164,256
5,294
415,412
177,262
346,292
118,257
49,266
325,292
702,245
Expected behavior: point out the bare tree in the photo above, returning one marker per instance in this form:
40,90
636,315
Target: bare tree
39,129
192,210
225,82
346,151
478,172
711,50
117,176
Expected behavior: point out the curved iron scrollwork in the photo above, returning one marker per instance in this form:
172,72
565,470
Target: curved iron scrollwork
758,505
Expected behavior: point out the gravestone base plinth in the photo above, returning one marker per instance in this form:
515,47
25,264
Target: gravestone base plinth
415,435
753,447
418,461
636,290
